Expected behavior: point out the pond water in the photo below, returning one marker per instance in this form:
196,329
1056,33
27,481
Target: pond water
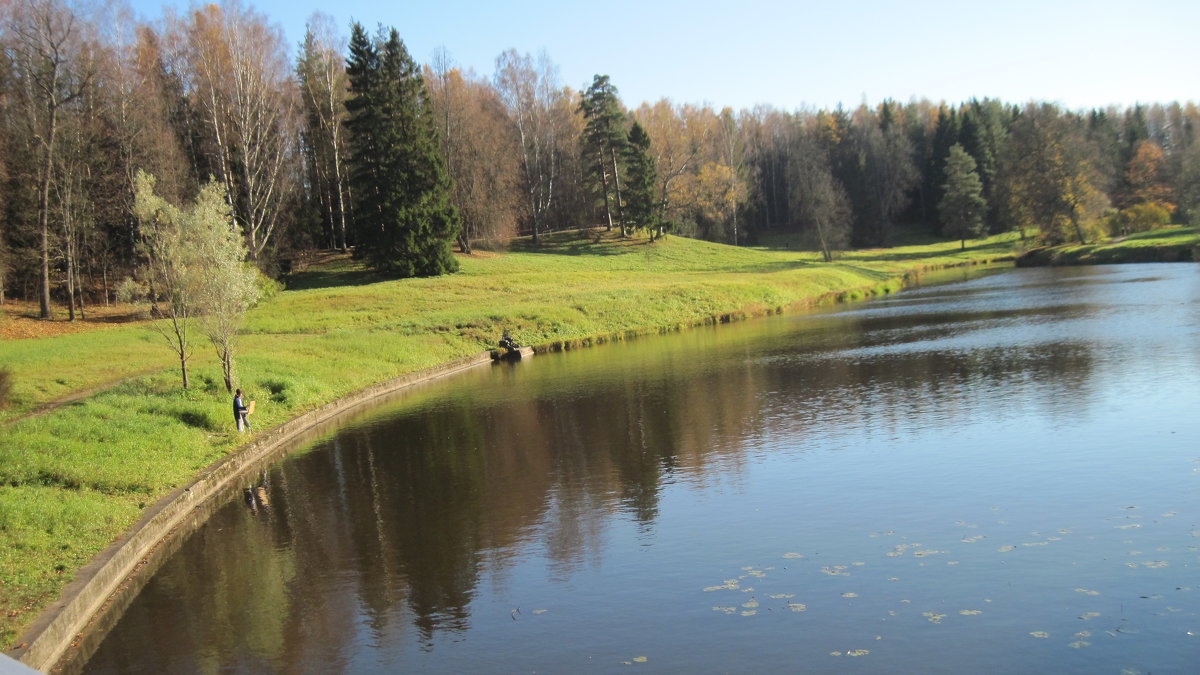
995,475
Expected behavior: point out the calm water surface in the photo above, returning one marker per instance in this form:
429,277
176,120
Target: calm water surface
999,475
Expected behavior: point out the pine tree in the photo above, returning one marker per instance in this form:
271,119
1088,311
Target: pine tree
640,181
603,143
962,207
404,218
945,135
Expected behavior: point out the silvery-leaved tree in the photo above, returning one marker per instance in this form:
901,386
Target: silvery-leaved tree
195,269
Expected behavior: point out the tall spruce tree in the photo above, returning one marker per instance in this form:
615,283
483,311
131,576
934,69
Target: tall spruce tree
603,144
962,207
641,211
404,219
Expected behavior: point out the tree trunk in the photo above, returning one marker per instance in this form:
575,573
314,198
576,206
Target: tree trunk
337,177
44,213
227,368
1078,228
825,252
183,368
617,185
70,281
604,184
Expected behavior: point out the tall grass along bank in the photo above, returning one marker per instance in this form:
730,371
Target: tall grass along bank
75,476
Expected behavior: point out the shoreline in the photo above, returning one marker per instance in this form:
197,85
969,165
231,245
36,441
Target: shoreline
118,569
117,572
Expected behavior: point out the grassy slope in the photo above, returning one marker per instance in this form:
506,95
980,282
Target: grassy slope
73,479
1171,244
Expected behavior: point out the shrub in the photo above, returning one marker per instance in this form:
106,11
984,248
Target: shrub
1139,218
267,287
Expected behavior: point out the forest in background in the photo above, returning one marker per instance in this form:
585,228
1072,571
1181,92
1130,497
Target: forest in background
89,97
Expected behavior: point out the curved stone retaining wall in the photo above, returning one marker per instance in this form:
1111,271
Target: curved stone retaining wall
99,587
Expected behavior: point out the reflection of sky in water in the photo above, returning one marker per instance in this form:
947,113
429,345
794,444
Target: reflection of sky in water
996,476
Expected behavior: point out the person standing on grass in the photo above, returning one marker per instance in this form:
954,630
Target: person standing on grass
240,412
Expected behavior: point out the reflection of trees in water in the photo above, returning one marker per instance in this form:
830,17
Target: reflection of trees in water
392,526
419,507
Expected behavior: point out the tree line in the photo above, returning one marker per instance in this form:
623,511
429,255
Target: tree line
346,142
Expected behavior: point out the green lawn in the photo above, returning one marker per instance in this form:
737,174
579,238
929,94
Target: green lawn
72,479
1171,244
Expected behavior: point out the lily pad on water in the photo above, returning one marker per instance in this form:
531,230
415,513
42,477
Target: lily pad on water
726,610
1040,634
1079,644
1006,549
781,596
1086,591
970,612
797,606
933,617
793,556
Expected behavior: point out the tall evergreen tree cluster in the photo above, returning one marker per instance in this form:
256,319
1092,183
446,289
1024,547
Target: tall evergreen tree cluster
352,145
404,219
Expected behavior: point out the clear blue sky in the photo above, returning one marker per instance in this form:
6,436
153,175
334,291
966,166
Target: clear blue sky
738,53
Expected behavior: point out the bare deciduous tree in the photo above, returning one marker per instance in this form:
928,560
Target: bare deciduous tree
240,75
536,103
324,86
53,62
481,151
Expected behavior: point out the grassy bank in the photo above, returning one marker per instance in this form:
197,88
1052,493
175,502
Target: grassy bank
1172,244
73,477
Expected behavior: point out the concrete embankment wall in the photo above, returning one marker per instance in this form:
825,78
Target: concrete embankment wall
109,581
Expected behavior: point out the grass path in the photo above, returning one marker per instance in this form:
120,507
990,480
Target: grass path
77,475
